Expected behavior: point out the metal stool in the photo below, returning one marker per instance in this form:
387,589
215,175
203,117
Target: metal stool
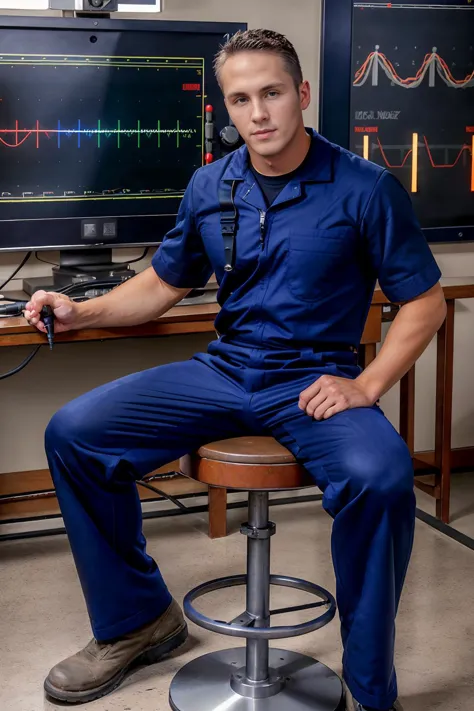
255,678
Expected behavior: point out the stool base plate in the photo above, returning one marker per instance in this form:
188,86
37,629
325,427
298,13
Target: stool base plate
204,684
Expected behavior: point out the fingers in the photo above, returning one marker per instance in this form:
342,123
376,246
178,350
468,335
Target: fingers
323,398
307,395
314,406
327,408
34,320
33,307
314,396
333,411
43,298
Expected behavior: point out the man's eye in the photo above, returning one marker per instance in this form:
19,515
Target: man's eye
240,100
272,94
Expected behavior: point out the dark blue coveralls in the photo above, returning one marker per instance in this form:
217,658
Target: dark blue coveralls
296,302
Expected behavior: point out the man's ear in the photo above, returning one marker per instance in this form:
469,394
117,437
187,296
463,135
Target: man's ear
305,94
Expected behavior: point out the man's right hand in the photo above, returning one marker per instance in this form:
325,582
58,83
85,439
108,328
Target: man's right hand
66,314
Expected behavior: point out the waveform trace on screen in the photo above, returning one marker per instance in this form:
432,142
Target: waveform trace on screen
433,65
425,137
16,137
409,156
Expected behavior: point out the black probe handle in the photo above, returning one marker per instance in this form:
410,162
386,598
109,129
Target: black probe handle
47,316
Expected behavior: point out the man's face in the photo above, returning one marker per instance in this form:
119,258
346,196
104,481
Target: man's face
263,101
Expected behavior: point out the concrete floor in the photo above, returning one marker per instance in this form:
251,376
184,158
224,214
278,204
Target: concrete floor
43,617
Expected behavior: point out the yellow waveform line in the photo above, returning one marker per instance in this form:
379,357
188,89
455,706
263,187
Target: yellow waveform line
366,146
414,165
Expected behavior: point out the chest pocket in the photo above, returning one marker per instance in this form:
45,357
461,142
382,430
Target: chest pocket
318,259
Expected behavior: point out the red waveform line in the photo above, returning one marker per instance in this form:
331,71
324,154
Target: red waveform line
448,71
361,71
446,165
15,145
389,165
27,132
408,80
433,164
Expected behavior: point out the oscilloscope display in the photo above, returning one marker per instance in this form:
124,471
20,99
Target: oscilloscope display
88,129
412,102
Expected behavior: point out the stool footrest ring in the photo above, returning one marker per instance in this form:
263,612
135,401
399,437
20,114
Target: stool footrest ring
248,632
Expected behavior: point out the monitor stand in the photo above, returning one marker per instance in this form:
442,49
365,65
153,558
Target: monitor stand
80,265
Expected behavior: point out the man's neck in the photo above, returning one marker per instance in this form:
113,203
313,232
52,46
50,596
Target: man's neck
285,162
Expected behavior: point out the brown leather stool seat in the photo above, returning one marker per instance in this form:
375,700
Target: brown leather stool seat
246,463
255,677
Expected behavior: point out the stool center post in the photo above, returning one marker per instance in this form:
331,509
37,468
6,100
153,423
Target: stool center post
258,585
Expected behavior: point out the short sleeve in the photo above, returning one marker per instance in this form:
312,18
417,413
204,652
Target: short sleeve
401,257
181,259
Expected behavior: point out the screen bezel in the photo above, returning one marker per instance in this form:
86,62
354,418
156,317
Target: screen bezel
335,95
22,230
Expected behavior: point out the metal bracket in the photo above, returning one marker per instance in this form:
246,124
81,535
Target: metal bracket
258,533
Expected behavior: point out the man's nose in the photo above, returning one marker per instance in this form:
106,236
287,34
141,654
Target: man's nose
259,111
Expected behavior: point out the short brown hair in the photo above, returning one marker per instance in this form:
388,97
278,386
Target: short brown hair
260,41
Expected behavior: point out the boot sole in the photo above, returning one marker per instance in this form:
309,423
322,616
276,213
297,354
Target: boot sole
149,656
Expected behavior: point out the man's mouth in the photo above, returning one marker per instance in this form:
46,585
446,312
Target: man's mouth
264,132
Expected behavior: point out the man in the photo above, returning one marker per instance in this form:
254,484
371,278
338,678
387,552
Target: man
316,227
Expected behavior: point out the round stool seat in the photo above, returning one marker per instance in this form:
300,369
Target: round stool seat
250,463
248,450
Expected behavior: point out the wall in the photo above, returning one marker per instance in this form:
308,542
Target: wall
29,399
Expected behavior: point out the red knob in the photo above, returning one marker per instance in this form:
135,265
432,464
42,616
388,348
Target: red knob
208,158
209,109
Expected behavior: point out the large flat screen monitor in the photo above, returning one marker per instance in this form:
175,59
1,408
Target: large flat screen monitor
398,89
101,127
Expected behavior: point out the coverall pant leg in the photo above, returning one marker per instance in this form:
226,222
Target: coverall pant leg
98,445
365,470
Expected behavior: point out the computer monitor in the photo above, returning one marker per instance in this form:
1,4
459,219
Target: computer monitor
102,124
398,89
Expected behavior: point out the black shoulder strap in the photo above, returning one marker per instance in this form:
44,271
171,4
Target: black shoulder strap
229,217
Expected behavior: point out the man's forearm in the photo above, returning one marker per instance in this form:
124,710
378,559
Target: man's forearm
139,300
410,333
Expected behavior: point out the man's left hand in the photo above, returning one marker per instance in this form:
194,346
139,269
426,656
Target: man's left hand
330,395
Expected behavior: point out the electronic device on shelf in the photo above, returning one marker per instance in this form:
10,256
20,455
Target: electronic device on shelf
397,88
102,124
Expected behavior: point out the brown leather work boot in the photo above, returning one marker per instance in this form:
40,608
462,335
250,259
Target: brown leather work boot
101,666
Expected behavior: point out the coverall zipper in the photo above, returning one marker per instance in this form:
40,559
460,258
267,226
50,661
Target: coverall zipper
262,227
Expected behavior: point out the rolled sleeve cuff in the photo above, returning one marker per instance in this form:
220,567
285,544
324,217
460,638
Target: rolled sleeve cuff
415,285
180,281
